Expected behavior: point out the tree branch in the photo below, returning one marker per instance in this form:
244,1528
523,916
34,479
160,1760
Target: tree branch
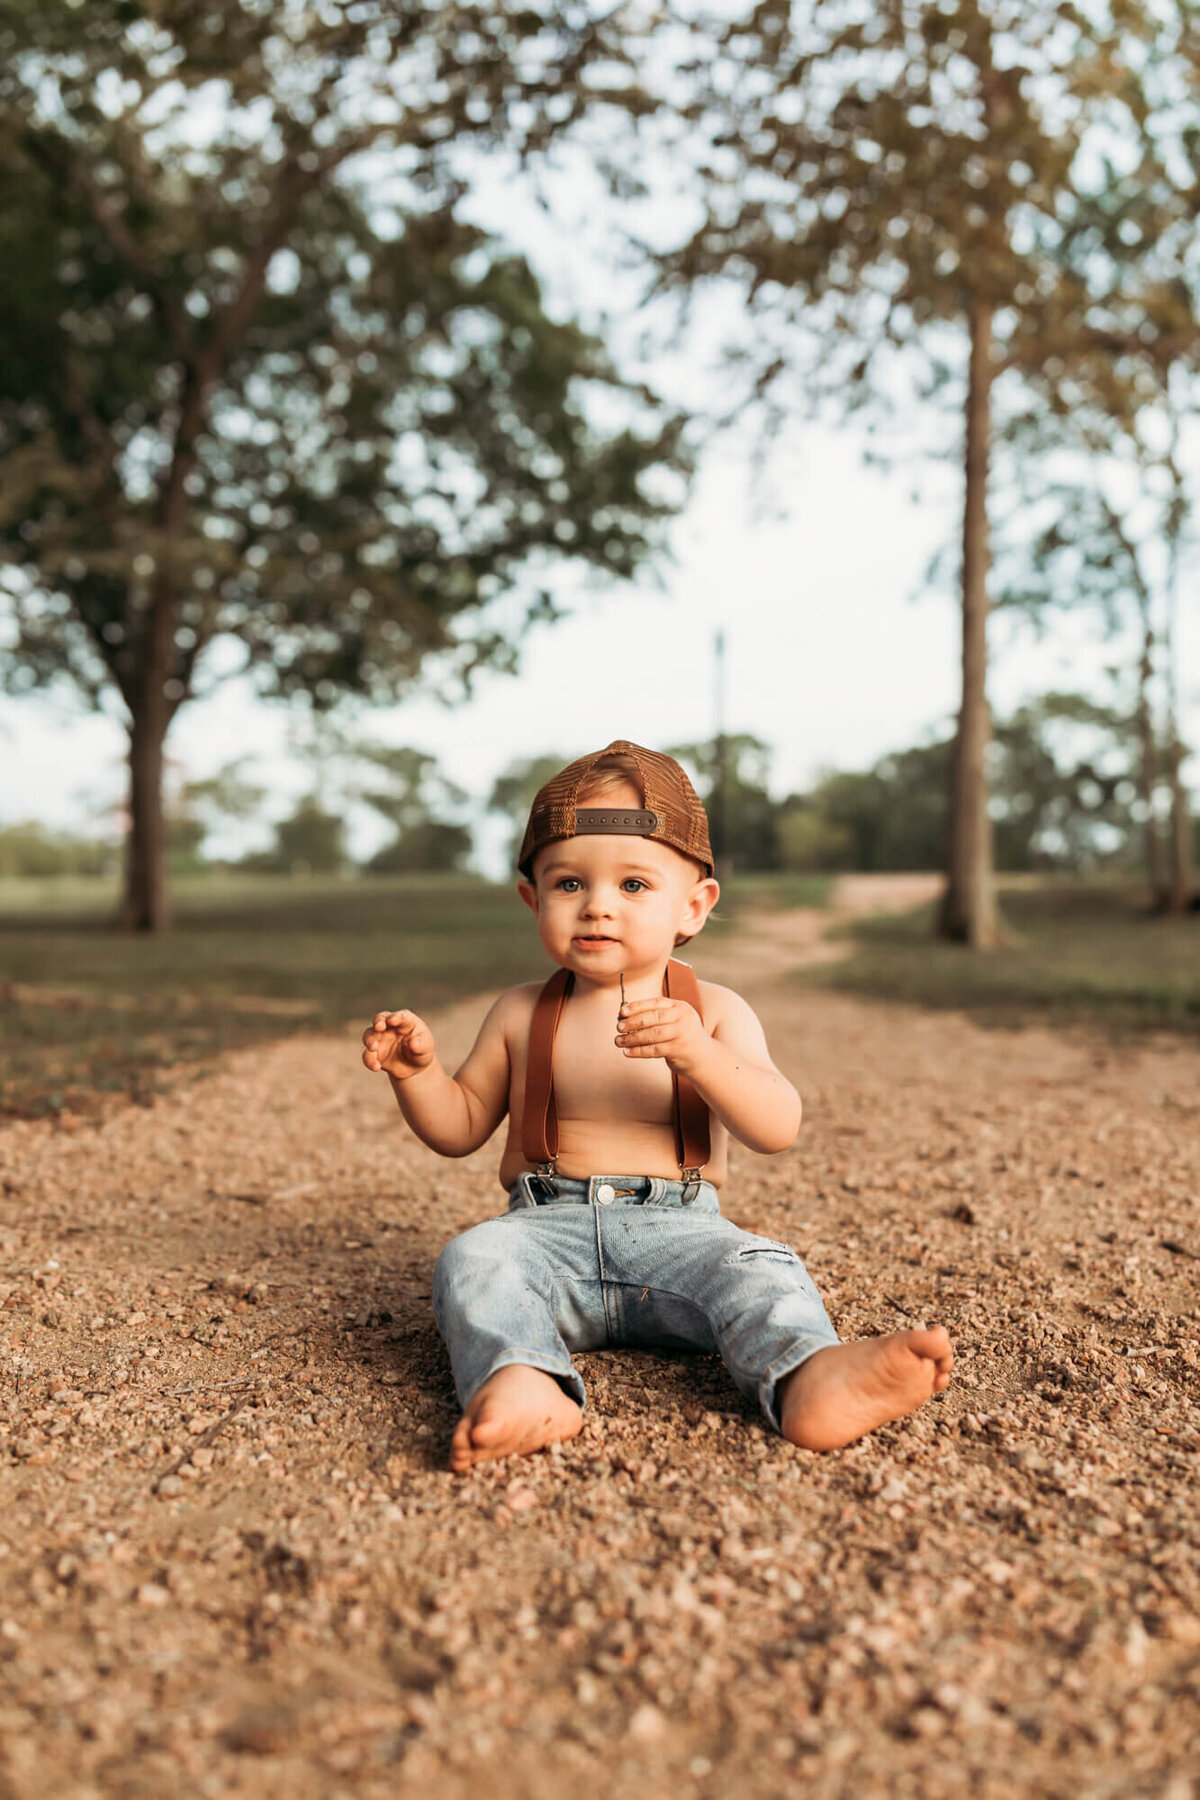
52,154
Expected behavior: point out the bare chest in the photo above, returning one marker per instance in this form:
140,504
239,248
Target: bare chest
593,1080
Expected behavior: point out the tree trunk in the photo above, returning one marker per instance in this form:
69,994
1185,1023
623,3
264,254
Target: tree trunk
1181,884
968,909
144,903
1152,843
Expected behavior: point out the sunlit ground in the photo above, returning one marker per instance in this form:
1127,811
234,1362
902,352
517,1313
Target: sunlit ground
87,1012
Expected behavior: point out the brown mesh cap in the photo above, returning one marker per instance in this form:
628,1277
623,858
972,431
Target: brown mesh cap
672,811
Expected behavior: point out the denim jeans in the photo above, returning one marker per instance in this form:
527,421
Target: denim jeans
586,1264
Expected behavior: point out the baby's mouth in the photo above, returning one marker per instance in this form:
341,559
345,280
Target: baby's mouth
591,939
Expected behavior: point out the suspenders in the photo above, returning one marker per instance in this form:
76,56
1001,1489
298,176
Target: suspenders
539,1123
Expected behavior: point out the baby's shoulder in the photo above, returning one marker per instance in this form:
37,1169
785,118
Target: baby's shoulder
717,1002
727,1015
514,1008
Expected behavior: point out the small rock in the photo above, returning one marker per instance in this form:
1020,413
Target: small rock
519,1497
927,1721
647,1724
170,1485
152,1593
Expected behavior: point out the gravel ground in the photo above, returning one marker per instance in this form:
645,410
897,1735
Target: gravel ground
231,1562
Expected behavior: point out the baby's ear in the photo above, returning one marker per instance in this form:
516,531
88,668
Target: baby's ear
529,895
701,900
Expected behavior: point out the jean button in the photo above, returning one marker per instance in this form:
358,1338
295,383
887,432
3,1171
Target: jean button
606,1194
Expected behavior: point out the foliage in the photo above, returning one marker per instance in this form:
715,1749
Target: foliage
514,789
732,773
929,189
872,171
264,381
31,851
1064,796
202,807
310,841
431,846
412,798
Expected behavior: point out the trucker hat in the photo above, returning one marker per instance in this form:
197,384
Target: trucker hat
671,811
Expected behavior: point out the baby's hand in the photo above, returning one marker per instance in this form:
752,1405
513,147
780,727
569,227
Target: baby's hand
668,1028
399,1044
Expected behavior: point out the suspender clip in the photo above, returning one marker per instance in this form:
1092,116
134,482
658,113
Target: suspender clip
542,1182
691,1184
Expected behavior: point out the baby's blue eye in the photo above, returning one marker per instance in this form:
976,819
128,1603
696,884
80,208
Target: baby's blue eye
570,884
633,885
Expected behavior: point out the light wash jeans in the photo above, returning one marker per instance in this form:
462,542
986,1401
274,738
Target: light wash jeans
623,1259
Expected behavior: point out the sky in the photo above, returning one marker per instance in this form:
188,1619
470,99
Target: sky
836,653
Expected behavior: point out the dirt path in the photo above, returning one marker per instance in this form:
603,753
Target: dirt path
767,944
231,1563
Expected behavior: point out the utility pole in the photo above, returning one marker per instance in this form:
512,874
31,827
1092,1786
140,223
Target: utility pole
718,808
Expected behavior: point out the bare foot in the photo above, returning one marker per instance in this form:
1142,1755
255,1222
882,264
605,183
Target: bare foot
517,1411
843,1392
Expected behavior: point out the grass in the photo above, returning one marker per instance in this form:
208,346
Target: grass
248,958
773,893
87,1011
1075,950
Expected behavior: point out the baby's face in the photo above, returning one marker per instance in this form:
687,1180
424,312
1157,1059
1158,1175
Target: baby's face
611,905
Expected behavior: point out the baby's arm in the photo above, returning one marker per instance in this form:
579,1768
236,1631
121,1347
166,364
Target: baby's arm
731,1070
452,1114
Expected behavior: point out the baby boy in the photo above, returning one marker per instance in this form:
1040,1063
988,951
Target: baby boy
623,1079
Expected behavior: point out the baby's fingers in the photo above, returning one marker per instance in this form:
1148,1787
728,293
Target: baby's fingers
644,1034
643,1009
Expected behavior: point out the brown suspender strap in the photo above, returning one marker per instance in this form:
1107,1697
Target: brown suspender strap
539,1120
692,1143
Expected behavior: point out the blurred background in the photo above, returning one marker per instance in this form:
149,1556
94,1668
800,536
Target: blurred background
397,401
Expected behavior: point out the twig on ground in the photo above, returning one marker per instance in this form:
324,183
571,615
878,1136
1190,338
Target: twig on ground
206,1387
202,1442
902,1310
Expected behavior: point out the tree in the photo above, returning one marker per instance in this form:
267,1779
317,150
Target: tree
411,793
262,380
1118,554
311,840
203,806
737,767
513,792
1062,774
892,816
913,182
